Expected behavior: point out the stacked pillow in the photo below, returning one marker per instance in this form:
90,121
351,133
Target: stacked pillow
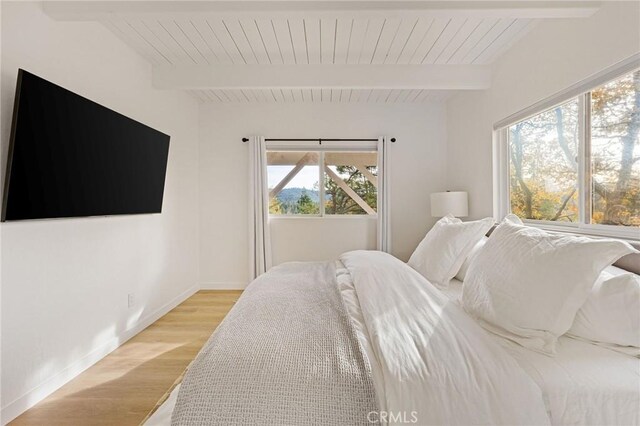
462,273
528,285
611,315
532,287
443,250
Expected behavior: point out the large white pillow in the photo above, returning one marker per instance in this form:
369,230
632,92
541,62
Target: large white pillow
440,254
527,285
611,314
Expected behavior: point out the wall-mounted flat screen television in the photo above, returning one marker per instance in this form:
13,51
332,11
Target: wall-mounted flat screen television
71,157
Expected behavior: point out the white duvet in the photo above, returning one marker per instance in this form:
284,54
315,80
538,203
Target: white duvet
432,364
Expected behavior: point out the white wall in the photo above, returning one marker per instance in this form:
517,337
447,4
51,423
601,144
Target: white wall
417,169
65,282
553,56
309,239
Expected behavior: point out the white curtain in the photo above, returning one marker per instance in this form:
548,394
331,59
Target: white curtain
384,228
259,235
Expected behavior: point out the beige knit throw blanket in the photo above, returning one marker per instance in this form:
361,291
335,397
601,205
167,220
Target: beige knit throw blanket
286,354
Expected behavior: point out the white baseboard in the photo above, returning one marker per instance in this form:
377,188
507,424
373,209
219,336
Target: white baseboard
222,285
46,388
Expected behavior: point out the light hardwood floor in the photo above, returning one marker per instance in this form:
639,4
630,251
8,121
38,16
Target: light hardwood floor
123,387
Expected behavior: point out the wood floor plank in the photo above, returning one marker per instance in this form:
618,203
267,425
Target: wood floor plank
123,387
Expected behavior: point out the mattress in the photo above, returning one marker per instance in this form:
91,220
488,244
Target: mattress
583,383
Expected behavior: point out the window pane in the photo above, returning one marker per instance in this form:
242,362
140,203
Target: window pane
293,182
615,152
543,165
350,182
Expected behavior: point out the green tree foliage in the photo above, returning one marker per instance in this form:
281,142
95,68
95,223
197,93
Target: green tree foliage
339,202
305,205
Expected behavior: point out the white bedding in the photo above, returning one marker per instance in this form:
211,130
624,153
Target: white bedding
583,384
437,365
162,416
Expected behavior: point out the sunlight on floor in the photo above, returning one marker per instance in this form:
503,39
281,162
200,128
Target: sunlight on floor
125,386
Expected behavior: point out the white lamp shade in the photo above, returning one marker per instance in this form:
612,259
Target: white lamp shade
450,202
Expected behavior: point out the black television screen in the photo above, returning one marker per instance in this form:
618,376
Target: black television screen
71,157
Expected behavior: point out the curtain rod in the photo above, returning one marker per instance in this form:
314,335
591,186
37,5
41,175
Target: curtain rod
320,140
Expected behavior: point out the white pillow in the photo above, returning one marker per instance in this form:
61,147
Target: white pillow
527,285
440,254
462,273
611,314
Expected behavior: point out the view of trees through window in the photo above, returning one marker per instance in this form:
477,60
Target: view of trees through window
545,158
544,169
349,183
615,152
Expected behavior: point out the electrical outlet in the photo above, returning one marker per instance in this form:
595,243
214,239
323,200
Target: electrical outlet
131,300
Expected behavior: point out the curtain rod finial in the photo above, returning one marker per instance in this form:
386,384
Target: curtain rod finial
245,139
393,140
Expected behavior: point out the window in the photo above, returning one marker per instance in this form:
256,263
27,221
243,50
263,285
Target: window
350,183
543,151
322,183
293,183
578,163
615,152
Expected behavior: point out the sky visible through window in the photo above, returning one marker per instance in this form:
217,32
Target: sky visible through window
307,178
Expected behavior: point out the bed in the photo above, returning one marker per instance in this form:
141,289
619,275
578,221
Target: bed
583,384
276,359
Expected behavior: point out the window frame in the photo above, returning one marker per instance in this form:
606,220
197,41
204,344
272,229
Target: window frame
326,146
501,157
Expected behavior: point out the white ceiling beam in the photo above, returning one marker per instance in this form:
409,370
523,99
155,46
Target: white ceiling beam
333,76
100,10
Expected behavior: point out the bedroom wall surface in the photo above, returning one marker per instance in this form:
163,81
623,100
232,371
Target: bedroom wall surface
553,56
65,283
417,169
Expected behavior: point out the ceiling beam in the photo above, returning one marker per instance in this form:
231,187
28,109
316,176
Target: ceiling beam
100,10
333,76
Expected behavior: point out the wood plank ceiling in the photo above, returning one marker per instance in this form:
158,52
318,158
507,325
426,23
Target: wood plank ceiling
211,41
351,51
320,51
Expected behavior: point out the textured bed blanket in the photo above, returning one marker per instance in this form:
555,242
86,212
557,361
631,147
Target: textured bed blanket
286,354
